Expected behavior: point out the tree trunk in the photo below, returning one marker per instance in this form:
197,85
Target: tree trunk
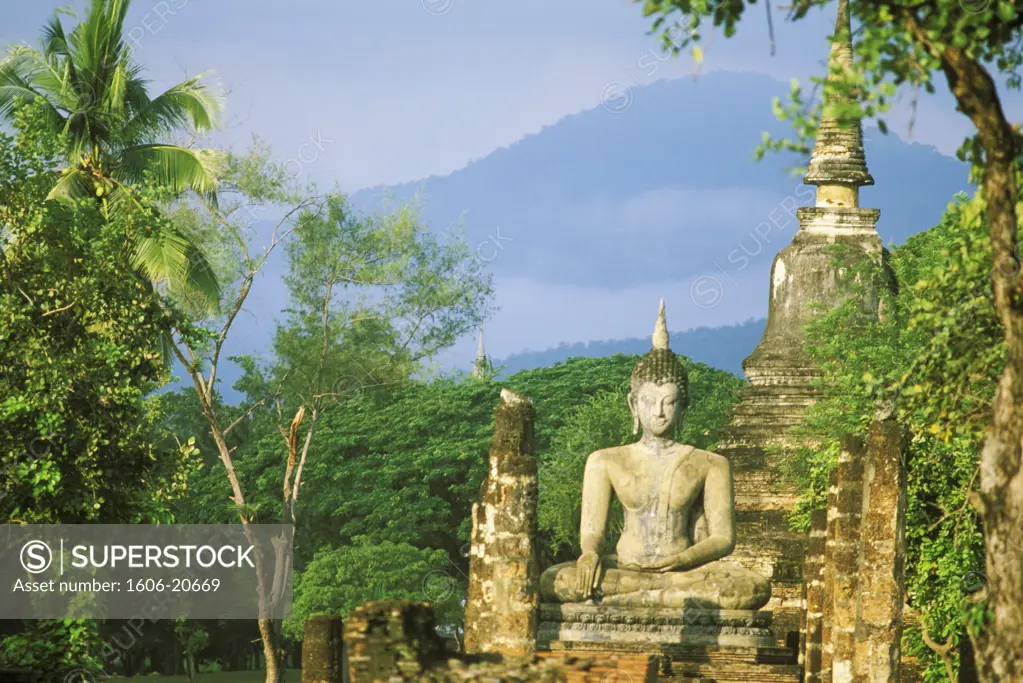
999,645
267,630
271,650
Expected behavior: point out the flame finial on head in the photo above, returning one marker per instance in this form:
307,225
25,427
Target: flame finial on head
661,329
660,364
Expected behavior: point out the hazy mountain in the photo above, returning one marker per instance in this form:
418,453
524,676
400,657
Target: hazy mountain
720,347
601,204
664,190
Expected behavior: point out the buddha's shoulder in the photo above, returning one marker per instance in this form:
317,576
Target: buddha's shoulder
605,456
711,459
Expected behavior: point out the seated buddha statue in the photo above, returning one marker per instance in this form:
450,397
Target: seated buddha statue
679,510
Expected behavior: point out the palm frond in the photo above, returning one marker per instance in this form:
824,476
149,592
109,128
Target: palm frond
16,75
73,184
55,44
165,348
9,239
165,255
27,74
136,95
177,168
97,48
114,93
189,102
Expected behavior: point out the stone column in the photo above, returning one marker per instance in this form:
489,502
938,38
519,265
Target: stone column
882,571
846,556
321,650
813,574
393,639
828,611
503,595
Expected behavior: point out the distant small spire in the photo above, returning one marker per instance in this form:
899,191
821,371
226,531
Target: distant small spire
479,366
660,329
838,157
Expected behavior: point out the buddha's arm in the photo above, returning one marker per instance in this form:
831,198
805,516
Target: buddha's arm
719,510
595,505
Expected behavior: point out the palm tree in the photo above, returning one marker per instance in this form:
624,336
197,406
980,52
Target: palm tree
94,100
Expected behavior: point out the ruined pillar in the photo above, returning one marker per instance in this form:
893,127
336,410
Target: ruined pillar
392,639
828,611
846,556
881,592
503,596
322,648
813,574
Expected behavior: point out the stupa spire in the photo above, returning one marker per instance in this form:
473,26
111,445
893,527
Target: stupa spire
838,166
479,365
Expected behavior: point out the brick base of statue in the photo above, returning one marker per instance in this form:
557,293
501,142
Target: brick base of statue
731,645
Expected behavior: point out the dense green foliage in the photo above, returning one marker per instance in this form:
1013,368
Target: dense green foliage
340,579
79,353
935,355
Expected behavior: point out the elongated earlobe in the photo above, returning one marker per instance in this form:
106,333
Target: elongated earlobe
635,412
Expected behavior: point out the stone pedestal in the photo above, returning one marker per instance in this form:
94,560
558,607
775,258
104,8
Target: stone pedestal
603,626
719,645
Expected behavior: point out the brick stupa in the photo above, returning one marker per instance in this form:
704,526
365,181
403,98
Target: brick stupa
835,236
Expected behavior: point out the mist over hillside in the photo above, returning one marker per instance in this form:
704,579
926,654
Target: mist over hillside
719,347
664,190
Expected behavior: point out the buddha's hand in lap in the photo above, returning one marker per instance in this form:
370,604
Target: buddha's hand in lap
587,572
677,562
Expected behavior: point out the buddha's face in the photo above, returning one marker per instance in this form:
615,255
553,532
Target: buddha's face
658,407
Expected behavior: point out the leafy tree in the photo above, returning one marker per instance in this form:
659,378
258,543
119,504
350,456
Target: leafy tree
903,43
93,99
78,357
371,297
55,650
340,579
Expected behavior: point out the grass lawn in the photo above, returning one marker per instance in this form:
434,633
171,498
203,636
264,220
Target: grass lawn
290,676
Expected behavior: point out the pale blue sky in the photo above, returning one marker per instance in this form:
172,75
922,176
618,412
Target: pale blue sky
398,90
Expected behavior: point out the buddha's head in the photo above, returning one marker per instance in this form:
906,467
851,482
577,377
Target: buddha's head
659,386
